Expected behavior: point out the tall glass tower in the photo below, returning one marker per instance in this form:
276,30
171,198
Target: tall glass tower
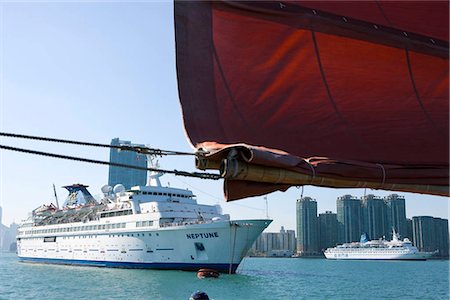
349,218
127,177
374,217
396,215
307,227
430,234
328,230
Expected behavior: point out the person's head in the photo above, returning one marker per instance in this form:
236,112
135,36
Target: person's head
198,295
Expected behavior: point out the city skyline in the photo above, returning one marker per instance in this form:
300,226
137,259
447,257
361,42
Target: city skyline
369,216
94,71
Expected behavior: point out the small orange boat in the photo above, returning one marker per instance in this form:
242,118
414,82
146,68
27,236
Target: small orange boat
208,273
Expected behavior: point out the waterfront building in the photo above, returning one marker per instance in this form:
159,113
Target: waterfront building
374,217
7,235
328,230
125,176
349,219
442,236
396,215
281,243
287,240
307,227
430,234
423,227
409,231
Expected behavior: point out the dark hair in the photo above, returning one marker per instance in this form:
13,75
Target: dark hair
199,296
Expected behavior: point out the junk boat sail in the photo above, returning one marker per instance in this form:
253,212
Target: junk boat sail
145,227
378,249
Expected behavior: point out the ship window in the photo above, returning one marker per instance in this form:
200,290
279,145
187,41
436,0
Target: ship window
199,246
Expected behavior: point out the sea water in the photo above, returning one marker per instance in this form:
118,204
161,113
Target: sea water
257,278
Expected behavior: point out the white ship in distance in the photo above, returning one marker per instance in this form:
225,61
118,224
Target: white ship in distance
381,249
145,227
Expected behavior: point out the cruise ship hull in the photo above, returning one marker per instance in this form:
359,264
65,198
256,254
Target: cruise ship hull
378,256
218,245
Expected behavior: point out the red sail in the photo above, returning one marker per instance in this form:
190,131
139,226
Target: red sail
364,86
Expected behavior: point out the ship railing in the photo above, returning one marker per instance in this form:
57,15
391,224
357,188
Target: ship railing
184,223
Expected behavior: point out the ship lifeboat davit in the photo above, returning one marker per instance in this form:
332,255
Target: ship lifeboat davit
208,273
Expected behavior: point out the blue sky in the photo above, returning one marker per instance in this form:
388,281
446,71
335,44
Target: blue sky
92,71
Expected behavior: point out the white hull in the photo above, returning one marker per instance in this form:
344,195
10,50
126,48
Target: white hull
378,255
220,245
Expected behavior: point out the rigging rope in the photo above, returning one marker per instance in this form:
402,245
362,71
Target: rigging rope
139,149
175,172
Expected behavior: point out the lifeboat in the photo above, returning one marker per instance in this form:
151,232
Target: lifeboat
208,273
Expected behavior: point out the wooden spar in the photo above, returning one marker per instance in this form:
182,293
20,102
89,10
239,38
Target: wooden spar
203,163
234,169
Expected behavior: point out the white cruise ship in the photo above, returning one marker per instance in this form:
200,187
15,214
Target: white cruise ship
378,250
145,227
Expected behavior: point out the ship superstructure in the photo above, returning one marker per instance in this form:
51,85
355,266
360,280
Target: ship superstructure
381,249
145,227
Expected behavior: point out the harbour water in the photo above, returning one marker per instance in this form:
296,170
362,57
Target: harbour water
257,278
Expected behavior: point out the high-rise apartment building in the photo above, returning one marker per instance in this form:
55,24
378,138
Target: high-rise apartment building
423,227
328,230
307,228
396,215
275,243
287,240
126,176
442,237
349,218
430,234
374,217
409,231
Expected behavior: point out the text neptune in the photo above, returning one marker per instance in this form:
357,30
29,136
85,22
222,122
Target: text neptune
205,235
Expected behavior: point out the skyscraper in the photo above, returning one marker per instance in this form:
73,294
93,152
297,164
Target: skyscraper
442,238
409,231
349,218
374,219
396,215
307,229
430,234
127,177
423,231
328,230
